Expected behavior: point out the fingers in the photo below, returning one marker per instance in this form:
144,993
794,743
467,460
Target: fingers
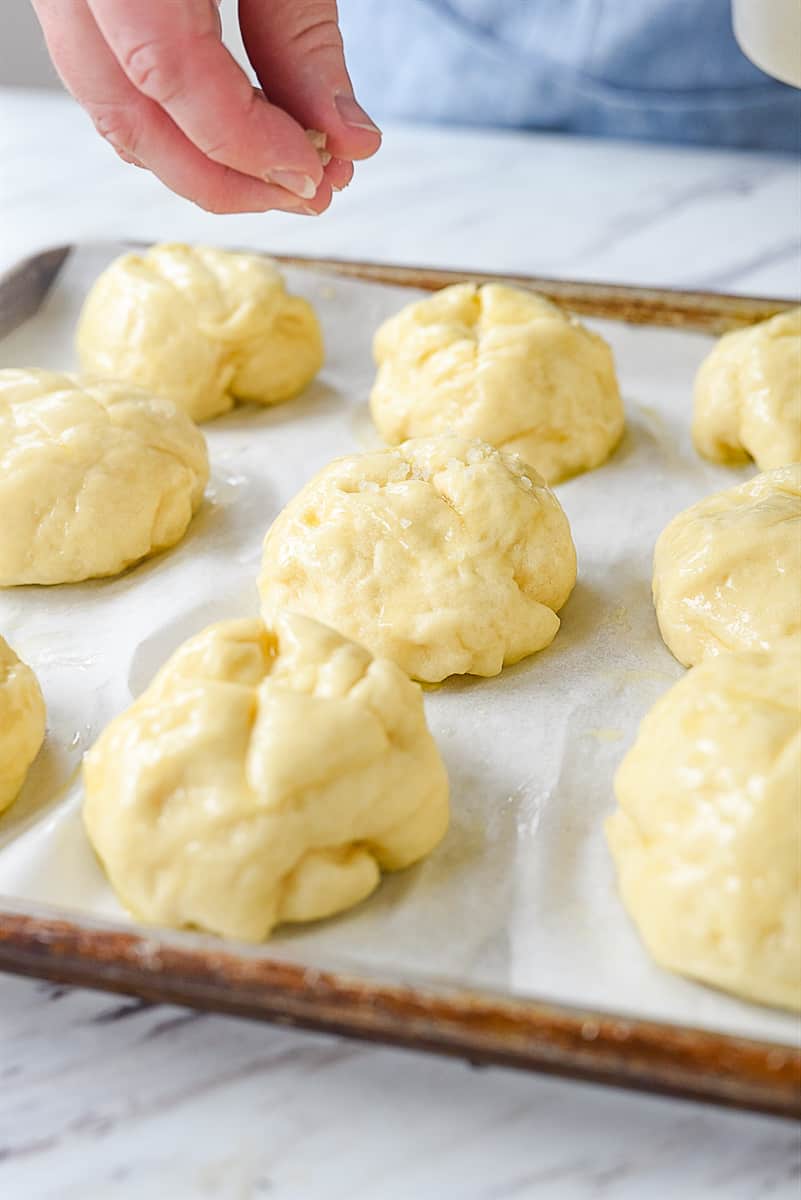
140,131
296,49
339,173
172,53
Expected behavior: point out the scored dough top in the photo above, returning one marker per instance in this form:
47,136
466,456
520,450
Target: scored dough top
501,364
204,327
444,554
265,775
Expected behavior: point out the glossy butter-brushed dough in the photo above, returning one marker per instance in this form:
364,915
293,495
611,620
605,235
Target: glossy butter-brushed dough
748,395
444,554
94,476
201,326
727,571
22,722
266,775
504,365
707,836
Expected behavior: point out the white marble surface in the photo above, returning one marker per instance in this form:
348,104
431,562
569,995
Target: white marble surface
552,205
102,1097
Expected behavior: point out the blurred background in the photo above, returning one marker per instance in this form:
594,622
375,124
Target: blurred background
627,141
632,68
23,57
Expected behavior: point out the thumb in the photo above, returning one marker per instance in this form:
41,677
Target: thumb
296,50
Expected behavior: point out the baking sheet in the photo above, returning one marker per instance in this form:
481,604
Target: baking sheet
520,897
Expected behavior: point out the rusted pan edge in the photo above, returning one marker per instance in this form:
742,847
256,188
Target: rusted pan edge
708,312
24,287
603,1048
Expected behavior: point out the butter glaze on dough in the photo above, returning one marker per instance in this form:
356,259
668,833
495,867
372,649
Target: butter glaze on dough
265,775
22,722
748,395
94,476
201,326
727,571
504,365
707,836
444,554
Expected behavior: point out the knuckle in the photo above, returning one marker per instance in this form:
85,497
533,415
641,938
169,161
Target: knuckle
223,146
154,69
215,150
316,30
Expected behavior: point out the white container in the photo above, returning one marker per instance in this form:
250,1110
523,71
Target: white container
769,32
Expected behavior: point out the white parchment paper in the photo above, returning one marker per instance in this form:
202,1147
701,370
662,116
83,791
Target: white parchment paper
520,896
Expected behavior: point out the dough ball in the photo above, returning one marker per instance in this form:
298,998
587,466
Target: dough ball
266,775
94,476
202,327
748,395
445,555
22,722
707,836
500,364
727,572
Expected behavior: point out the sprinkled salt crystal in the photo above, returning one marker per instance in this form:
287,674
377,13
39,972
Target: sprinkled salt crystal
526,482
405,522
318,140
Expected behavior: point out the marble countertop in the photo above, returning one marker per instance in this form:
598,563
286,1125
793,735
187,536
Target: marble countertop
107,1097
549,205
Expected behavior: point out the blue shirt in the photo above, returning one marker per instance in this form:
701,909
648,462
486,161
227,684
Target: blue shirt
656,69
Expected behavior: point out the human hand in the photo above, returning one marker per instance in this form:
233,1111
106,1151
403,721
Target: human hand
162,88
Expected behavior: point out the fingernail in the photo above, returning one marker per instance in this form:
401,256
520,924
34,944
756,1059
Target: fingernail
294,181
353,114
